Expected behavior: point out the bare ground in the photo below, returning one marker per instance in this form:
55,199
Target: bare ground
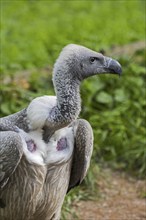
121,198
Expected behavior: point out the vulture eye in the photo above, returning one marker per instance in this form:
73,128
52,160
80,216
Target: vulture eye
92,59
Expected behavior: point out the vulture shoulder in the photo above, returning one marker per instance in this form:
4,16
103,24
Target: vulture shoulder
10,154
14,121
82,152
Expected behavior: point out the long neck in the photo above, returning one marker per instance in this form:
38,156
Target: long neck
68,105
67,90
68,99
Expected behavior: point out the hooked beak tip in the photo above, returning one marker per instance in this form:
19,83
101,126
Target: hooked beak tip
115,67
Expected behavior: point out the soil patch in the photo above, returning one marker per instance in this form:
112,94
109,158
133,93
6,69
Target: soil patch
121,198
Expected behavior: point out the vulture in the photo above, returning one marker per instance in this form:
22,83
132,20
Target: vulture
45,149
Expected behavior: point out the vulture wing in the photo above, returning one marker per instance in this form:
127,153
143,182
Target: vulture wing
10,154
82,152
14,121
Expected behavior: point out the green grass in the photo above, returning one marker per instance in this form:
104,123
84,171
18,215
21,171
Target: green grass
33,32
32,35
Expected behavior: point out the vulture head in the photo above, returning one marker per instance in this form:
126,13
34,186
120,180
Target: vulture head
81,62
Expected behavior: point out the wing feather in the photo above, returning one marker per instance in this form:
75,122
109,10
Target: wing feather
10,155
82,152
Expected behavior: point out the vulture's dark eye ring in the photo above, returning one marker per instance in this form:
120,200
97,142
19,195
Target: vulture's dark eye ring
92,59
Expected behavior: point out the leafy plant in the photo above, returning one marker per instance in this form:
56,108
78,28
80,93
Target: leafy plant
116,110
32,35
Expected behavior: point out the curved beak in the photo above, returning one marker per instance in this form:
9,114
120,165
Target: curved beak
112,66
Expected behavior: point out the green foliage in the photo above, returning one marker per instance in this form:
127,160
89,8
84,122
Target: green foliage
115,108
32,35
17,92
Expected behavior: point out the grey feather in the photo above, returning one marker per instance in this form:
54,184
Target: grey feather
12,122
82,152
10,154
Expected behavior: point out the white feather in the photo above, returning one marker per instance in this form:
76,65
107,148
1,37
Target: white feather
38,111
47,153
